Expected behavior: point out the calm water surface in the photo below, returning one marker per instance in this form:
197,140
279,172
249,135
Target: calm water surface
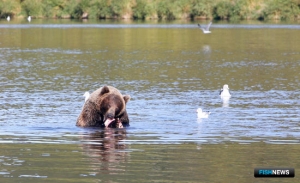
169,69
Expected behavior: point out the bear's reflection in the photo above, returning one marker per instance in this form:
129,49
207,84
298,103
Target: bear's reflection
104,149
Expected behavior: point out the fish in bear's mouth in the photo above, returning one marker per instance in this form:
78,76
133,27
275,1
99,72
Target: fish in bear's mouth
110,121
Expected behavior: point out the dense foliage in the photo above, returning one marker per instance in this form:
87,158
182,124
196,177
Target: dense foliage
153,9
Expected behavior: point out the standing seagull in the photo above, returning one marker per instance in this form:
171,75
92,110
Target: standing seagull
29,18
8,18
206,30
225,91
87,96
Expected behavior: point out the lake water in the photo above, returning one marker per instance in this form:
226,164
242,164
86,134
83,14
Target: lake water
169,69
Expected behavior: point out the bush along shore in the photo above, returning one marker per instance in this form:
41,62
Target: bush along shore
152,9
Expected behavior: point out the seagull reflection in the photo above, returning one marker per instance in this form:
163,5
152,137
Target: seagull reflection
225,100
206,49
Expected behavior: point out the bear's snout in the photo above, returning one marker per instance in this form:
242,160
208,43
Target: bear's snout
110,116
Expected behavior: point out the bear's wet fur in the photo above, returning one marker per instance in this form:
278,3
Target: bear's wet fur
106,107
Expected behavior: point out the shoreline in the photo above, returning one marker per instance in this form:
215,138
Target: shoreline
153,9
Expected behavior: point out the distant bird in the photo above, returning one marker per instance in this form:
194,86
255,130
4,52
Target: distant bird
225,91
202,114
205,30
29,18
87,96
8,18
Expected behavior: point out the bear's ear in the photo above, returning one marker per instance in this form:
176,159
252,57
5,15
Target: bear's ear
126,98
104,90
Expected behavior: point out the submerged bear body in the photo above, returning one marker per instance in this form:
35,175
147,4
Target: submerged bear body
106,107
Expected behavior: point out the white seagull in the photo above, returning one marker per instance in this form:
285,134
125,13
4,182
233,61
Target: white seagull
29,18
8,18
202,114
87,96
225,91
205,30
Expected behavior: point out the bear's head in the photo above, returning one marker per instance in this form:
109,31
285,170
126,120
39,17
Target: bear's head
112,107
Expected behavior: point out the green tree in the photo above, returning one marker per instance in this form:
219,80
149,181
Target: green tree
146,9
52,8
183,8
222,10
282,9
140,10
100,9
203,8
8,8
166,10
32,8
151,10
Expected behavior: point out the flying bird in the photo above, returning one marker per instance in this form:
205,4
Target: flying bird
205,30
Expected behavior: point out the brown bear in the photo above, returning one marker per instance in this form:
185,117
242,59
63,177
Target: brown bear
106,107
